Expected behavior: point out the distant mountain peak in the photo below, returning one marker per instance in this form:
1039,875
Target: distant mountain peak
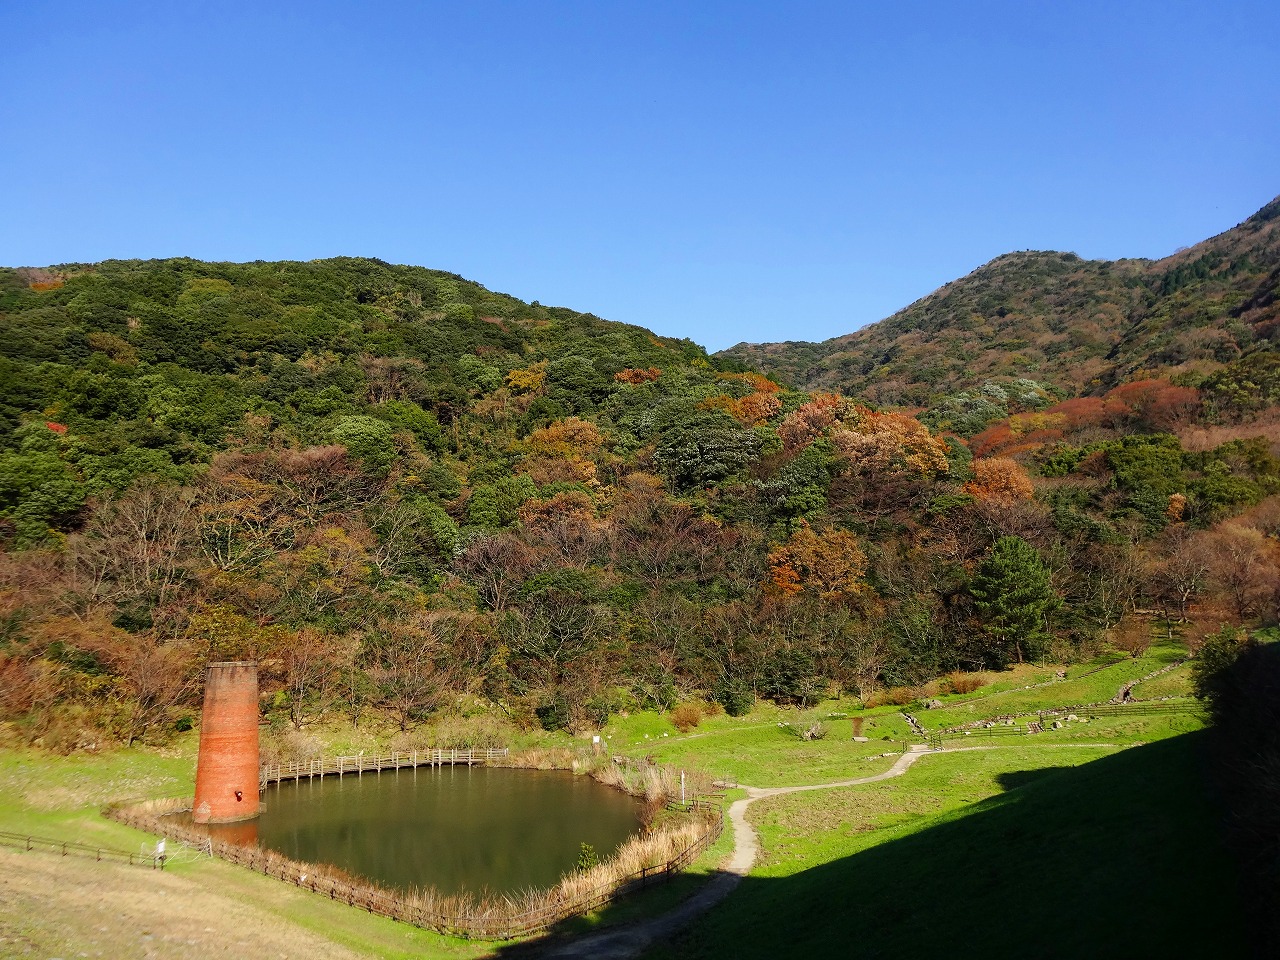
1075,324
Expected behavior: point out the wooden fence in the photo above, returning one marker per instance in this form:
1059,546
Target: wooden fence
69,848
498,923
359,764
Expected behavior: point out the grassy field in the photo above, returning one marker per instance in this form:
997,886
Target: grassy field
1069,843
755,750
1094,682
1048,852
197,907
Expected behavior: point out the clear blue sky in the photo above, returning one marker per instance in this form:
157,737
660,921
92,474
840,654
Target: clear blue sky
722,171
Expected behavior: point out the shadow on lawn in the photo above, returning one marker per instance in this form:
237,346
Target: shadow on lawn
1020,778
1120,857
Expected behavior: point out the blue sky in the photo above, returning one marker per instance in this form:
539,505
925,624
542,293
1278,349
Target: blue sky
722,171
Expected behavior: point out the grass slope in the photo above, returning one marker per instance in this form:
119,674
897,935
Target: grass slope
1009,853
757,751
196,908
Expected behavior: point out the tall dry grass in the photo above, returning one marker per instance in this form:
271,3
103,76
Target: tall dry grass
1266,425
656,783
957,682
546,758
639,778
954,682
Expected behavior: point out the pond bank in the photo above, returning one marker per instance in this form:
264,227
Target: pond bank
642,860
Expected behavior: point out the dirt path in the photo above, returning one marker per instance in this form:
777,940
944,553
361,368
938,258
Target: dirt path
627,942
69,907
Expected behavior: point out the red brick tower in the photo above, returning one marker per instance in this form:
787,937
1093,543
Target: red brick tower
227,768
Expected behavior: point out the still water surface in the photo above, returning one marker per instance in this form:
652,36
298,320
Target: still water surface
454,828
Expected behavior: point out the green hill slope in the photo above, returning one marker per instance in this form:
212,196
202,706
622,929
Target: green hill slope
1078,325
269,332
410,493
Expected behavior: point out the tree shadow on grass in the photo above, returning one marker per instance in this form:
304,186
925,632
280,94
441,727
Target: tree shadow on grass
1120,857
1020,778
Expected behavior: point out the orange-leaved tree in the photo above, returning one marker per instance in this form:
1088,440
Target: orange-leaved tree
875,442
636,375
828,565
999,481
808,421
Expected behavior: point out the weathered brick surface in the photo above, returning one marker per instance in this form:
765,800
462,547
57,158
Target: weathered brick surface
227,770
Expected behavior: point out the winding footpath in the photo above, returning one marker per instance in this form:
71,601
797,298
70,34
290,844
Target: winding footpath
626,942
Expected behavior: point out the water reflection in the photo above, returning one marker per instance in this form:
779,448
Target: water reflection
244,833
454,828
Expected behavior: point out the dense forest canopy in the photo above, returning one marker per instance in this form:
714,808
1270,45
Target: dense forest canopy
400,492
1205,316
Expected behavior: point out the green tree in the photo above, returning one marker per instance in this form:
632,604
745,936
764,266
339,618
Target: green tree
705,449
497,504
1211,670
1013,593
38,491
368,440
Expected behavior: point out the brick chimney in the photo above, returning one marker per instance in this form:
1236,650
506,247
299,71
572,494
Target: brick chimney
227,768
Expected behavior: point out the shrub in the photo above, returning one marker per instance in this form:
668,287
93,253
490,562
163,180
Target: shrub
686,716
588,859
895,696
957,682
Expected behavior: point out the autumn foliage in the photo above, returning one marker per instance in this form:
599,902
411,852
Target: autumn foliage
1000,482
751,410
808,422
828,565
888,442
635,376
403,494
1154,405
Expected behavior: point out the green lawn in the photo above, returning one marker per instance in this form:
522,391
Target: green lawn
1057,845
1065,852
1085,683
60,797
756,751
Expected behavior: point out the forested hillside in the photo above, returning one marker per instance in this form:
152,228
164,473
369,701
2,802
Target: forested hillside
1208,315
407,495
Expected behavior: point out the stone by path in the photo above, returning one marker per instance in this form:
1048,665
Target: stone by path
629,941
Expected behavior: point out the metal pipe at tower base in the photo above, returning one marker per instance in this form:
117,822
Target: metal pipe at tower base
228,764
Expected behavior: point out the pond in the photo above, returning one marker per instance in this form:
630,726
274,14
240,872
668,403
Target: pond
453,828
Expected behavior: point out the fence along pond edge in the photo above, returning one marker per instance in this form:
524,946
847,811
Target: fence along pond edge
153,816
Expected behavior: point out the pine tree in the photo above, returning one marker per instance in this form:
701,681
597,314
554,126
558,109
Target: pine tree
1012,591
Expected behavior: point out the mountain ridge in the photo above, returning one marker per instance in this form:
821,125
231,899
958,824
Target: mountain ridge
1078,325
